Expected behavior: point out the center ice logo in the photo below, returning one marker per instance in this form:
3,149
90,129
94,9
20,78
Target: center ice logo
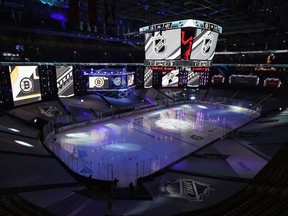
187,189
159,44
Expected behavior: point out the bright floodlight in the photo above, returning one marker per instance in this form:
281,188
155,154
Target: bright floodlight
23,143
77,135
14,130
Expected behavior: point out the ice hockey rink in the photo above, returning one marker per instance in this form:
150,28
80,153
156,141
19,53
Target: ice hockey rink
135,146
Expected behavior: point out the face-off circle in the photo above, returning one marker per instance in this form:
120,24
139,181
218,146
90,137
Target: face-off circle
26,85
99,82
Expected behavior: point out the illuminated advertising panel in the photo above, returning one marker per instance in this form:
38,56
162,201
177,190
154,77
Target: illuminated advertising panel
170,78
193,79
98,82
65,83
118,82
148,75
130,79
25,84
187,36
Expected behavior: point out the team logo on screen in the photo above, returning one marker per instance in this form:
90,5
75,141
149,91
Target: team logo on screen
26,85
117,81
187,189
159,44
99,82
207,43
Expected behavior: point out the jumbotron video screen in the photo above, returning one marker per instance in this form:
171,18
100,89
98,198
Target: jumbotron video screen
181,44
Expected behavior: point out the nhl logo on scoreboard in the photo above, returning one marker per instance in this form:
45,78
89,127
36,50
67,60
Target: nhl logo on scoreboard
159,44
207,43
187,189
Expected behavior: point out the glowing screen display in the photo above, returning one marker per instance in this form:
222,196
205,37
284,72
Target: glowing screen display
118,82
25,84
187,36
148,74
98,82
204,45
193,79
170,78
185,44
65,83
163,45
130,79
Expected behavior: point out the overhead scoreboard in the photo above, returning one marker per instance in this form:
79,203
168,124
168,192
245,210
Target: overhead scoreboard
175,49
184,42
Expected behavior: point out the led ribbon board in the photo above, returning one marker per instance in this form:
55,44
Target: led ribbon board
182,24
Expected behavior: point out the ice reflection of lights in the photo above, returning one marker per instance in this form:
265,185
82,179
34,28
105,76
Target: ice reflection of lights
174,124
115,127
14,130
156,113
186,106
122,147
199,121
77,135
202,107
23,143
236,108
130,125
88,138
99,135
146,123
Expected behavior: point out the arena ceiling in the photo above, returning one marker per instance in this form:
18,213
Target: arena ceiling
235,16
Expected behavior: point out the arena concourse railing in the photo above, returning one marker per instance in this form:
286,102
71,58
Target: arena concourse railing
70,155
